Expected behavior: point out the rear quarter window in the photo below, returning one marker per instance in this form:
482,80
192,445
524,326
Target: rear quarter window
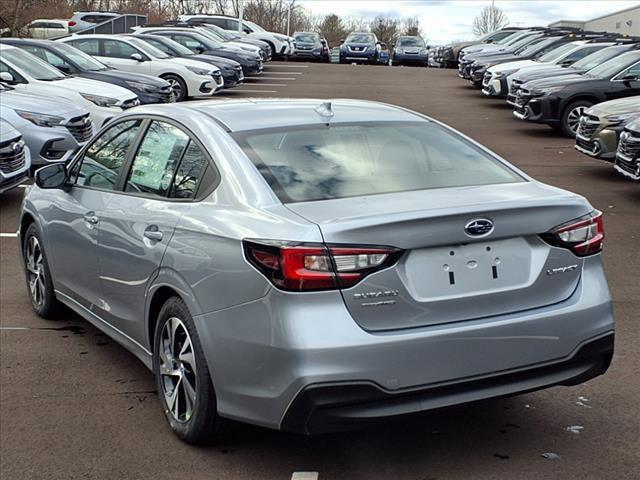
321,163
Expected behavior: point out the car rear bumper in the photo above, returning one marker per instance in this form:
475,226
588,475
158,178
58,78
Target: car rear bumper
264,355
333,407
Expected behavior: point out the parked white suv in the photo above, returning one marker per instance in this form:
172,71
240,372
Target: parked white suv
189,78
26,72
281,45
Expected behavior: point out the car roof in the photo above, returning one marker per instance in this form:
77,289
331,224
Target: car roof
254,114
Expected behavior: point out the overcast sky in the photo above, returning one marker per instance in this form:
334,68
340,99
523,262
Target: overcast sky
446,20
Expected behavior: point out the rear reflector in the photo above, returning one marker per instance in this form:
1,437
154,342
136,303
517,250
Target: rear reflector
303,267
72,23
583,236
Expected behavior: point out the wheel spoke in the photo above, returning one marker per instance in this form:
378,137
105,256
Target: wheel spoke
189,398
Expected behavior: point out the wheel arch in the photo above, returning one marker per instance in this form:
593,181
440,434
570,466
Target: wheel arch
591,97
26,220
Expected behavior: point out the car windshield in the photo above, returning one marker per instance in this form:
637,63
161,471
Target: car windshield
410,42
508,38
168,46
537,45
556,53
615,65
322,163
82,60
516,37
210,32
147,48
524,42
227,35
208,38
360,38
31,65
306,37
598,58
254,26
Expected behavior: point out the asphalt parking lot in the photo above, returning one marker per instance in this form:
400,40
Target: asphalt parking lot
74,404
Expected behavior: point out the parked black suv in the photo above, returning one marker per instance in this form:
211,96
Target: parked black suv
581,66
230,69
72,61
560,101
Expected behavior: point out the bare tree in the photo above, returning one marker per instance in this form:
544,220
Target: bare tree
385,28
491,18
411,26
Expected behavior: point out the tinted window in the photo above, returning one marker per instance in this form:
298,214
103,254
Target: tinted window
38,25
583,52
116,49
90,46
360,38
190,43
103,161
157,159
634,70
56,25
190,172
320,163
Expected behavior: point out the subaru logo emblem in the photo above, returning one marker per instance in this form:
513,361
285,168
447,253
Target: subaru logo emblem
480,227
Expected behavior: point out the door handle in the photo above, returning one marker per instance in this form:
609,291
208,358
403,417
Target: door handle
91,218
152,233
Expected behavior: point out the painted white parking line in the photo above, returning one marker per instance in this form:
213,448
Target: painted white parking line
271,65
269,78
269,84
8,235
304,476
14,328
256,91
283,73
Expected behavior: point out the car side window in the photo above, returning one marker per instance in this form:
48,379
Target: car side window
38,25
48,56
118,49
188,42
90,46
16,76
192,173
633,70
102,163
56,25
581,53
156,161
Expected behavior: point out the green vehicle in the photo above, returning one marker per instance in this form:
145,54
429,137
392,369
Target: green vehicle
601,125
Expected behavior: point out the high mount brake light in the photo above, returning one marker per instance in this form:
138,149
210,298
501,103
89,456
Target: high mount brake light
583,236
304,267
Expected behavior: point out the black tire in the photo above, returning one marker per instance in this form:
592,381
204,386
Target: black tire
203,425
177,82
38,275
568,122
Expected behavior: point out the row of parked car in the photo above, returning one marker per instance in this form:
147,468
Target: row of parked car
55,94
584,84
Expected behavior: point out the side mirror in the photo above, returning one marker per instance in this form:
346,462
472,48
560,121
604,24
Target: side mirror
7,78
51,176
65,69
566,63
137,57
629,77
200,49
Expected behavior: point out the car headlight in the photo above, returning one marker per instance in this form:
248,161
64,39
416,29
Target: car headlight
144,87
199,71
622,117
505,73
400,51
546,91
282,38
40,119
100,100
423,51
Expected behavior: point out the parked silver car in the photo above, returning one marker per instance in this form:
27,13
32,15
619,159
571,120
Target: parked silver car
304,265
53,128
15,158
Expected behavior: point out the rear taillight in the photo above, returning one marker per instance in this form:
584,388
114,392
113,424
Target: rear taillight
304,267
72,23
583,236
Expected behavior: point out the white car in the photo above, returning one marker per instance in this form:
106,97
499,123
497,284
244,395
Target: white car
281,45
26,72
189,78
493,82
48,28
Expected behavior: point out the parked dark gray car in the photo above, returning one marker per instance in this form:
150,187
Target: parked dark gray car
306,265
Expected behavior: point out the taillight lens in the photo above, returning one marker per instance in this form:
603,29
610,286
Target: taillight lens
72,23
304,267
583,236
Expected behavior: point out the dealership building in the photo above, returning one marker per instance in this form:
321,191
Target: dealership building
624,22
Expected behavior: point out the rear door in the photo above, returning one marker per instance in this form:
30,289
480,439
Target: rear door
137,225
117,54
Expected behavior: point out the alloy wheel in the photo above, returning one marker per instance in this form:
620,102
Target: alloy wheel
176,88
35,271
573,119
178,369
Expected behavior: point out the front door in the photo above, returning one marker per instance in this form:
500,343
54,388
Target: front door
73,236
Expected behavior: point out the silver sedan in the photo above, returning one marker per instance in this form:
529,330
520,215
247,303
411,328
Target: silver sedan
307,265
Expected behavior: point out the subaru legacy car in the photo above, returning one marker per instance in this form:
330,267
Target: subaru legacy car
307,265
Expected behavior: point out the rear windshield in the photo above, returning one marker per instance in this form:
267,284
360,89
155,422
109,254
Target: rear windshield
346,160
